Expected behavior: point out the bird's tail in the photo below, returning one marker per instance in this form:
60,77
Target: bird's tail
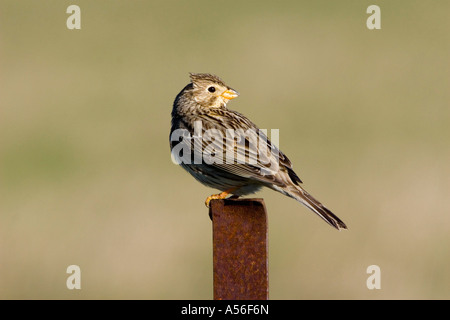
299,194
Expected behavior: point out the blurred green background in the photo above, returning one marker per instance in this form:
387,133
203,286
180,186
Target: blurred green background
85,171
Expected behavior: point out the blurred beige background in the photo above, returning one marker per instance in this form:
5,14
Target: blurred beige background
85,171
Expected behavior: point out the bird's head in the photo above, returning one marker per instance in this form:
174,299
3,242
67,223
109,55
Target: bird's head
210,91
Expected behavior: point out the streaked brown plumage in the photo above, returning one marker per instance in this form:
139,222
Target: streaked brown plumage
204,99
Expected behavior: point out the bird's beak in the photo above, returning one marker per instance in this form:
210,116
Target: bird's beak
230,94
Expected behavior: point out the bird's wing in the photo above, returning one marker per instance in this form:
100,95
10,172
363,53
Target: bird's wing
241,149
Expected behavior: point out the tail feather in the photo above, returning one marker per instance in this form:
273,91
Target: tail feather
299,194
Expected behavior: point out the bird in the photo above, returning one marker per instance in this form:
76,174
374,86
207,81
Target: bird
232,163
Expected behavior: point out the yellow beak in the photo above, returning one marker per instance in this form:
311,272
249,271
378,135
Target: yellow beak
230,94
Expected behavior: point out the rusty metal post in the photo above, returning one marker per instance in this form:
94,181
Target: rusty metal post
240,249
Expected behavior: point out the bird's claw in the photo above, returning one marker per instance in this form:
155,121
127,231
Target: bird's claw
222,195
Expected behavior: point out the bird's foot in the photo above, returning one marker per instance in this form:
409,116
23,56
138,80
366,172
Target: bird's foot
222,195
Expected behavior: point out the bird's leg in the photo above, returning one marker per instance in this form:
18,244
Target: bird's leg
222,195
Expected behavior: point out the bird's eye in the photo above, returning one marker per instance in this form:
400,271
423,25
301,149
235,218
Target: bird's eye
211,89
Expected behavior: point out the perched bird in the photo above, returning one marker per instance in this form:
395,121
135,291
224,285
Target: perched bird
202,143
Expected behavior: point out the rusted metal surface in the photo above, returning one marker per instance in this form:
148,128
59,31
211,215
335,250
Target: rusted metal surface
240,249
